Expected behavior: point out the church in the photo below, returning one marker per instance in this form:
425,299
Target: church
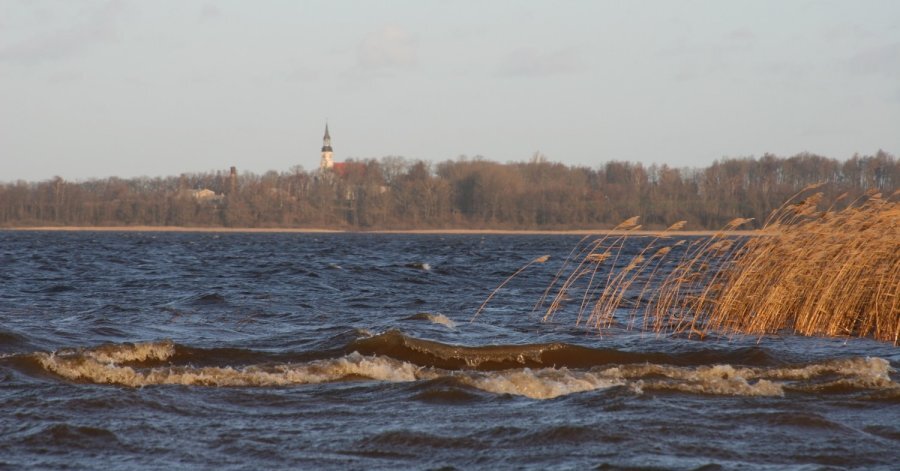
327,163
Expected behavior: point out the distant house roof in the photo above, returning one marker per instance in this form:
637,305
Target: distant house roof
343,169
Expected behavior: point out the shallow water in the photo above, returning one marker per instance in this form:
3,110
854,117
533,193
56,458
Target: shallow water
153,350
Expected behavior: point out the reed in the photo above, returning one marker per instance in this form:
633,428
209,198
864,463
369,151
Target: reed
810,271
541,259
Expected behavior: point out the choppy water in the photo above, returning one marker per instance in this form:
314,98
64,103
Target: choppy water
158,350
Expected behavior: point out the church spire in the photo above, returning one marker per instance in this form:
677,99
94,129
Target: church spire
326,141
326,163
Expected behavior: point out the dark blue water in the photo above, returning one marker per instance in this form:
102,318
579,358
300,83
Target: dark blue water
354,351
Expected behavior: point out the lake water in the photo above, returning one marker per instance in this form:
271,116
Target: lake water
355,351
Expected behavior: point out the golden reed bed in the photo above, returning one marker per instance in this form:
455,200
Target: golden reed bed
833,272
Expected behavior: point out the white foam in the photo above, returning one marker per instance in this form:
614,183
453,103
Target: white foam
726,380
716,379
109,364
545,383
86,368
441,319
872,370
870,373
119,353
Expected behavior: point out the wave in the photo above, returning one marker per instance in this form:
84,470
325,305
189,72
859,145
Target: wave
88,369
395,344
10,341
521,370
78,437
91,368
545,383
122,353
433,318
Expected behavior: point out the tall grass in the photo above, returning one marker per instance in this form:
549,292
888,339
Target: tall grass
810,271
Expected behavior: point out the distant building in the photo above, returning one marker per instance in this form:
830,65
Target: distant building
345,169
340,169
206,196
326,163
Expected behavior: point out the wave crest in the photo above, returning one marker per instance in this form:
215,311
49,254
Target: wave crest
518,370
88,368
546,383
123,353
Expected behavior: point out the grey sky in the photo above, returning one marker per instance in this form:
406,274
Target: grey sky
128,88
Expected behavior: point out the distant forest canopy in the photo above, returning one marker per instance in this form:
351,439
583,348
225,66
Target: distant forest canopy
467,193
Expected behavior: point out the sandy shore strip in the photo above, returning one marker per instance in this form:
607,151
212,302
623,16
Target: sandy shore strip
307,230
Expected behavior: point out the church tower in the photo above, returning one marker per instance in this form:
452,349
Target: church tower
326,163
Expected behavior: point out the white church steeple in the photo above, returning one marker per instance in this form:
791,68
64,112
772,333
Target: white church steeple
326,163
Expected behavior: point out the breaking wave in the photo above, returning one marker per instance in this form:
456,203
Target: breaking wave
437,318
537,371
318,371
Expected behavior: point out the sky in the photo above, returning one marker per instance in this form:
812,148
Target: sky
92,89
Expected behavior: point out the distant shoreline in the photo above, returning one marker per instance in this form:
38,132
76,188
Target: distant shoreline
281,230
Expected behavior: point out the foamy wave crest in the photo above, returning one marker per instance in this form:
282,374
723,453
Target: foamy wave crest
545,383
715,379
495,369
88,368
548,383
120,353
863,373
873,371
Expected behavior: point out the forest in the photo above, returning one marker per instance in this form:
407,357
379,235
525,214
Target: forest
465,193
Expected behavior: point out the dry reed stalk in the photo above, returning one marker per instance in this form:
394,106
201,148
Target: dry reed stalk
577,273
540,303
541,259
617,284
687,289
613,250
593,257
641,297
591,291
833,272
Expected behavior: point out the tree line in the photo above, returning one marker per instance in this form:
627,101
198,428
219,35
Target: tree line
466,193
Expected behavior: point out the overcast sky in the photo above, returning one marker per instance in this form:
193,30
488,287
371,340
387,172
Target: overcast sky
156,88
